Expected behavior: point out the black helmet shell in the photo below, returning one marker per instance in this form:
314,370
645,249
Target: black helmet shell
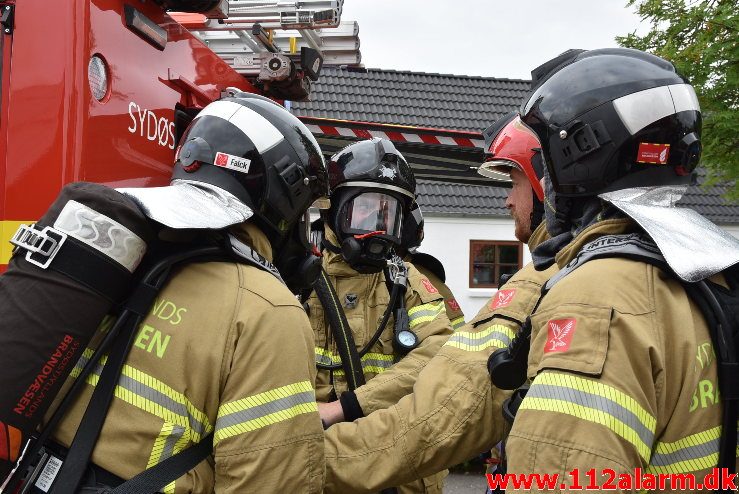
259,152
583,113
374,161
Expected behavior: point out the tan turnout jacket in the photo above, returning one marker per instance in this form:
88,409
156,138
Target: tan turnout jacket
364,298
624,375
226,347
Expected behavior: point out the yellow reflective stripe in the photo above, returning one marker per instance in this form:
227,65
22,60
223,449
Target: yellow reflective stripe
595,402
497,335
81,362
690,454
7,230
263,409
425,313
457,322
153,396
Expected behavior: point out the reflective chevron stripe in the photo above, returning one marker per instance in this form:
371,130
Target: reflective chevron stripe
267,408
153,396
425,313
497,335
171,440
595,402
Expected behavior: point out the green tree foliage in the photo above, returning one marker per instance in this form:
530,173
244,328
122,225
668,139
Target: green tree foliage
701,37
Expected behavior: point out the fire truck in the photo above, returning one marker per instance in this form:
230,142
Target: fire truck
100,90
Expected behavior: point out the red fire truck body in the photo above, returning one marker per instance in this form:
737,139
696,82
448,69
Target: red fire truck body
54,131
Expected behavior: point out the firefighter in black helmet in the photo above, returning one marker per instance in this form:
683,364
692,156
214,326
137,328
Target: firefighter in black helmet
373,189
226,348
617,343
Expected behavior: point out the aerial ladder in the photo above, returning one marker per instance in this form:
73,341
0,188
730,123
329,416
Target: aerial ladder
280,46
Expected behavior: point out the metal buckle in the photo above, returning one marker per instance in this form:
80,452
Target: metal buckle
39,243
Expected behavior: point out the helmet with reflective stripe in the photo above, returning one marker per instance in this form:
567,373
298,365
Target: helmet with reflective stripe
509,143
612,119
372,188
255,149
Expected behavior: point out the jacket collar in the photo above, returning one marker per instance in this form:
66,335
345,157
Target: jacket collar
251,235
599,229
539,235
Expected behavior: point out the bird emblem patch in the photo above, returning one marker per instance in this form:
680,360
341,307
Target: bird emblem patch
561,332
502,298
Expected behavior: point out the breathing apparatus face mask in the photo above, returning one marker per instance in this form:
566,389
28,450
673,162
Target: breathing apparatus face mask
369,225
296,260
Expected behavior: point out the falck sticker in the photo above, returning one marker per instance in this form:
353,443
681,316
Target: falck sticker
429,287
655,154
232,162
502,299
560,335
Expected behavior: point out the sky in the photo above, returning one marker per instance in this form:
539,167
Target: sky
491,38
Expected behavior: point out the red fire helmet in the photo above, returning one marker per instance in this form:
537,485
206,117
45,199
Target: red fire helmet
510,144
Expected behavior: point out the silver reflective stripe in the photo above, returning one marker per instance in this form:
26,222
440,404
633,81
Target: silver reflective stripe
684,97
151,394
688,453
258,129
424,313
260,411
103,234
595,402
132,390
374,362
376,185
638,110
325,359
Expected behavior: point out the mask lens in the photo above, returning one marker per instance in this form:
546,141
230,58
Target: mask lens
373,212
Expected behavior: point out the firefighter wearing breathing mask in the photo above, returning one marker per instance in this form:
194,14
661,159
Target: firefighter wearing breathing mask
376,319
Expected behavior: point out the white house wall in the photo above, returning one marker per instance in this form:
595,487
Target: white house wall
448,239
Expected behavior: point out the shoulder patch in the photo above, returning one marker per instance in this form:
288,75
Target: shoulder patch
429,286
560,333
453,304
503,298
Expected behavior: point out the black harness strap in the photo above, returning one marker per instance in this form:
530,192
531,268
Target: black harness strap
350,360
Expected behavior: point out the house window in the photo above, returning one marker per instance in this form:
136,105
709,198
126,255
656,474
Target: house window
490,259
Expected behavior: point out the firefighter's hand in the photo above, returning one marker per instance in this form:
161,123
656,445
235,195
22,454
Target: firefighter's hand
331,413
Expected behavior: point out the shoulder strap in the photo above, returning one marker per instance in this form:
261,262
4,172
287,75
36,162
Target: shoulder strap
342,332
635,246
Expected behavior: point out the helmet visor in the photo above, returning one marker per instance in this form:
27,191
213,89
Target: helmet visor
373,212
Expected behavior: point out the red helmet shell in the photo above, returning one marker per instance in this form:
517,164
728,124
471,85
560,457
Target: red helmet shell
515,146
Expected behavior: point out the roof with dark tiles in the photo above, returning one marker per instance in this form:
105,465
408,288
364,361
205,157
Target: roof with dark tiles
457,103
420,99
